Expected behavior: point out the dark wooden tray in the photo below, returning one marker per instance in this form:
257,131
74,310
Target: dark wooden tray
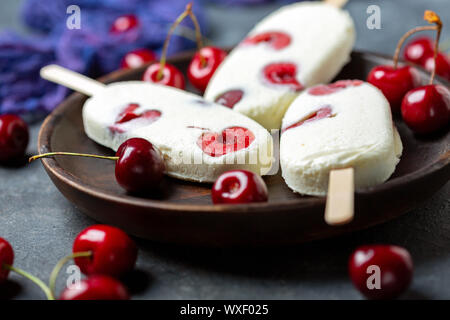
182,212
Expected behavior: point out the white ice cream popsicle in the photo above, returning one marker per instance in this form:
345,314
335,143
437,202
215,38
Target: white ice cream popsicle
199,140
298,46
346,124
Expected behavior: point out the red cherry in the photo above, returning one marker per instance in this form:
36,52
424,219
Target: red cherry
427,109
325,89
113,251
229,140
124,23
6,258
282,74
277,40
171,76
140,166
96,288
418,50
199,74
126,116
395,270
394,83
137,58
14,136
239,186
442,65
230,98
324,112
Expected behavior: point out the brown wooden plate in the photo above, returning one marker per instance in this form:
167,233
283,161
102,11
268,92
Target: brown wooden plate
182,212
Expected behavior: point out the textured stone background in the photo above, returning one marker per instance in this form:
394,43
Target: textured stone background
41,224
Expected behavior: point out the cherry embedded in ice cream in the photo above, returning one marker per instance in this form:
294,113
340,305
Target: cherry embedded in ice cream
124,23
282,74
137,58
96,287
113,252
169,75
394,82
442,65
130,113
14,136
230,98
418,50
229,140
381,271
239,186
324,112
427,109
326,89
275,39
6,259
203,66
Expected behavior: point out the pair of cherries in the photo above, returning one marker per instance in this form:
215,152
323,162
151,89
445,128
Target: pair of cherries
201,68
425,109
102,252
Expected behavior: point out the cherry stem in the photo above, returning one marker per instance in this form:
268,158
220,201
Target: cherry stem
432,17
198,35
32,278
61,263
162,61
406,36
51,154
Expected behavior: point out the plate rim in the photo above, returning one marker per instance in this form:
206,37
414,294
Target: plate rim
51,165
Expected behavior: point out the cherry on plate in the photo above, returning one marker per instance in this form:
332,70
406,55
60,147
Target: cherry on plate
427,109
14,137
239,186
113,252
442,65
137,58
203,65
96,287
169,75
381,271
418,50
6,259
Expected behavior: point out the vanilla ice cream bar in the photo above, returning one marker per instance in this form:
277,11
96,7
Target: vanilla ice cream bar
199,140
345,124
298,46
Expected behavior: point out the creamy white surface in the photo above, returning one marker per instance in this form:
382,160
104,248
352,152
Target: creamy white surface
322,38
359,135
178,144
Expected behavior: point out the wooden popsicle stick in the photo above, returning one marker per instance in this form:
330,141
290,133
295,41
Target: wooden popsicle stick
71,79
336,3
340,198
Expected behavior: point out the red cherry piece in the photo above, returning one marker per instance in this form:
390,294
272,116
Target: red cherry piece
418,50
282,74
14,137
124,23
6,257
239,186
140,166
394,83
230,98
394,265
324,112
137,58
113,251
275,39
200,73
171,76
96,288
229,140
442,65
427,109
126,117
325,89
